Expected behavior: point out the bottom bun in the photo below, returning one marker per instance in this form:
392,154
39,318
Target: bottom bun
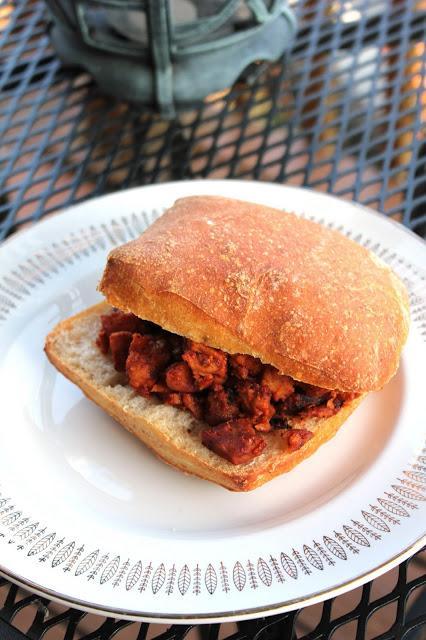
171,433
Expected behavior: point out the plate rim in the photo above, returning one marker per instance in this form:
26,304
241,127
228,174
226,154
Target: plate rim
236,615
395,224
240,614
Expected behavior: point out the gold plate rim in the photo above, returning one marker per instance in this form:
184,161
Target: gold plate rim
234,616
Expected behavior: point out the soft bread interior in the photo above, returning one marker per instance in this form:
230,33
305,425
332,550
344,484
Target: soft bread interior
173,434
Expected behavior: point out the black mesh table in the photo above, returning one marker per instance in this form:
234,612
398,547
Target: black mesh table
345,113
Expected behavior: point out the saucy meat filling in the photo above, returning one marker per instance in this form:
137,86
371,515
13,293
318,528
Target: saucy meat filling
235,394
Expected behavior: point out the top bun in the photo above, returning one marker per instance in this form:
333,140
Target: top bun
247,278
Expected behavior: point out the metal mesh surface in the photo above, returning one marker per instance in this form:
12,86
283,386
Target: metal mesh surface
389,608
345,114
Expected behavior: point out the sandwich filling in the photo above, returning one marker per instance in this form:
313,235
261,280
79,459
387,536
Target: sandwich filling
238,396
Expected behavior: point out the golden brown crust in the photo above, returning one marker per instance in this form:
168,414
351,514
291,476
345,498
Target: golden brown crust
250,279
175,445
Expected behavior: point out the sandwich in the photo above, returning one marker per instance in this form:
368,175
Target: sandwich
235,339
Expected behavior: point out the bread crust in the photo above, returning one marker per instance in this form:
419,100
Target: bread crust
175,437
247,278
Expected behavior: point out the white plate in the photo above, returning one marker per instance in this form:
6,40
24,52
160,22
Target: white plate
89,517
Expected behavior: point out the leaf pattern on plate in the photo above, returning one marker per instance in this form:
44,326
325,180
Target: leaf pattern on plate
375,521
396,509
197,580
184,579
264,572
384,514
347,543
412,484
301,562
288,565
158,578
121,573
417,476
171,580
362,527
53,549
7,509
73,559
134,575
11,518
252,578
312,557
210,579
279,577
110,570
408,493
98,566
224,578
329,560
356,536
239,576
36,535
335,548
400,500
145,578
87,562
42,544
420,467
19,524
27,531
